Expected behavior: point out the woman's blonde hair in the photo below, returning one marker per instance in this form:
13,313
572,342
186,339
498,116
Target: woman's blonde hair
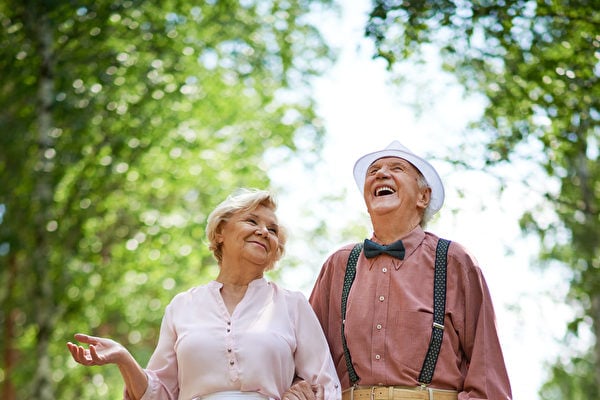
240,201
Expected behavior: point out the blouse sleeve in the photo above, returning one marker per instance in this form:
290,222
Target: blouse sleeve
162,368
312,357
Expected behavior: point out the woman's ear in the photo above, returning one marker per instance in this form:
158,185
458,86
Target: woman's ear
219,233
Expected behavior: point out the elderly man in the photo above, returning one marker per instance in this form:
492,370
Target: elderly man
408,315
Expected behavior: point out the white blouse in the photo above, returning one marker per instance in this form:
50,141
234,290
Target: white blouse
272,335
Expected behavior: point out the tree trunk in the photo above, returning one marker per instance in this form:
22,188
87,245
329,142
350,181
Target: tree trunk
43,295
9,356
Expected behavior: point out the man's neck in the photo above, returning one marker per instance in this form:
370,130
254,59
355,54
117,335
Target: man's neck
387,231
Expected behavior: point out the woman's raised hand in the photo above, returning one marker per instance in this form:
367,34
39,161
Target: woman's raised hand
101,351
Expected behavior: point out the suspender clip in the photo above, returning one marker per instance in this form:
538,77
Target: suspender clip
438,326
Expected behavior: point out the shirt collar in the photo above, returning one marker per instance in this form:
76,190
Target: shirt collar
258,282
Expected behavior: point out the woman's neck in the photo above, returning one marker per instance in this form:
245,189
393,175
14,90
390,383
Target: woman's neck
239,278
235,285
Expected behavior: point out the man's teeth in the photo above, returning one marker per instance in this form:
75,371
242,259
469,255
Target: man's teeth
384,190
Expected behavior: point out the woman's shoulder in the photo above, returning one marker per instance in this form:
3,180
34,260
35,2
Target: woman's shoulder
291,295
194,293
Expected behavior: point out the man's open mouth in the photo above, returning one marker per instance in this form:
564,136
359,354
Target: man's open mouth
384,191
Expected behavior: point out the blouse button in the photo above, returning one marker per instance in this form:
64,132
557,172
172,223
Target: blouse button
231,362
228,330
229,350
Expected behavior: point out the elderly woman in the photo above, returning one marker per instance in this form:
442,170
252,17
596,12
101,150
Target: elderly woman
238,336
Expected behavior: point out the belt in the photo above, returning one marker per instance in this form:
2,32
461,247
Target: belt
397,393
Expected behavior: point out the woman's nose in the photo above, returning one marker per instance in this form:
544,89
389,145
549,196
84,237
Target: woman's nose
261,230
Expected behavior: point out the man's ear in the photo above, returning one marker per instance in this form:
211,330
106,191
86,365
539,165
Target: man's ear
424,198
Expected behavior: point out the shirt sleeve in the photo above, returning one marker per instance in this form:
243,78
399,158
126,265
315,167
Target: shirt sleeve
325,297
486,376
325,300
312,357
319,298
162,367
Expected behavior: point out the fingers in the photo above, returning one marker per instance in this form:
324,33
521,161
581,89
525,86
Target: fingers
79,354
85,356
81,337
95,358
319,391
301,390
72,349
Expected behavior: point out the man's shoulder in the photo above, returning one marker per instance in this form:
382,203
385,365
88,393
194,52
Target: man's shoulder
456,250
343,251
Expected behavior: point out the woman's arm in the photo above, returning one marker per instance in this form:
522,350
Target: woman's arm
104,351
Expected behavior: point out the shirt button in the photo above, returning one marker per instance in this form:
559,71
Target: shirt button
384,269
381,298
378,326
377,356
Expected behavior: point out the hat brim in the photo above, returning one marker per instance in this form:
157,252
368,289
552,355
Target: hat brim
431,176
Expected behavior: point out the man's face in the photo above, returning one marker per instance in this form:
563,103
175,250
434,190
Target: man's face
391,185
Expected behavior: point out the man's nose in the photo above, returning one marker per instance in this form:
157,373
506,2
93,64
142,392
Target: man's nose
383,171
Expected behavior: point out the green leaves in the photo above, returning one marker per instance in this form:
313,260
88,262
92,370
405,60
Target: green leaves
536,62
124,123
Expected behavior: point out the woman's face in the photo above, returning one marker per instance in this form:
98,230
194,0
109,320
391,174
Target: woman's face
251,236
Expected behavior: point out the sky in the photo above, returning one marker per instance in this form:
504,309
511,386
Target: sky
363,112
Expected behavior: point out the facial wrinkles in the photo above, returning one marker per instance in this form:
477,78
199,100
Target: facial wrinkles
389,183
264,227
381,176
257,226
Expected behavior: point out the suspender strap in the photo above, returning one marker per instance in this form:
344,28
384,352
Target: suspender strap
439,309
348,279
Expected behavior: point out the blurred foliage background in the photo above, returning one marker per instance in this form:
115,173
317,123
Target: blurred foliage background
537,66
123,123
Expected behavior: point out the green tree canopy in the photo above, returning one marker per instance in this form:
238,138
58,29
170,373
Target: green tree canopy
537,63
123,124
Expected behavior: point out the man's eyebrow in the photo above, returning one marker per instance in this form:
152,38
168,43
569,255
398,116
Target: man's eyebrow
398,161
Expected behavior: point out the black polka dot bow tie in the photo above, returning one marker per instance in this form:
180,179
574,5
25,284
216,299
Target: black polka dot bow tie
373,249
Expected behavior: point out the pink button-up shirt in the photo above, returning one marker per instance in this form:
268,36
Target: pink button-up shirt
272,335
389,318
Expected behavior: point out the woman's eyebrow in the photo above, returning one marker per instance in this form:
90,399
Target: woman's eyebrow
255,216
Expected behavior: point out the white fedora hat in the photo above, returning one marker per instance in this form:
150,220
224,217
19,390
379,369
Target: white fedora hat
396,149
